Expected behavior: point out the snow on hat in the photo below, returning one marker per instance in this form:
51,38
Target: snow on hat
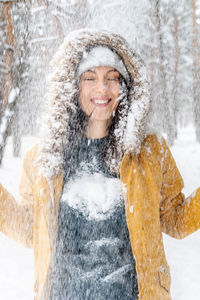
102,56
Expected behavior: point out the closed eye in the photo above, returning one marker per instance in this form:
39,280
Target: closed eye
88,79
113,79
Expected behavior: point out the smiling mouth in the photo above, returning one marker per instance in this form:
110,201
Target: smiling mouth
100,102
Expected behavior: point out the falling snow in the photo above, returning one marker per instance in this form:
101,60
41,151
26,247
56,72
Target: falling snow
136,23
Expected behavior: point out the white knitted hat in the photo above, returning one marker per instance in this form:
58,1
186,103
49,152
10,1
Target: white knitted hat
102,56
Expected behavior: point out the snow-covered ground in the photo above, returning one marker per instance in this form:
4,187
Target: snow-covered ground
16,262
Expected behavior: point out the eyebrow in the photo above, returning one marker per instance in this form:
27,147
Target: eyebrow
112,70
89,71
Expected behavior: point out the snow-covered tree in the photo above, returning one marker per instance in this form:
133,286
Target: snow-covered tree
196,68
9,96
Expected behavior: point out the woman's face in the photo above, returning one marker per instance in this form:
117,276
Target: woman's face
98,92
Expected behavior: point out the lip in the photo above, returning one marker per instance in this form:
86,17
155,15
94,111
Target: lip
101,102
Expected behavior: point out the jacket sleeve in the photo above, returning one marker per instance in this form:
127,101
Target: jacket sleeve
16,219
180,216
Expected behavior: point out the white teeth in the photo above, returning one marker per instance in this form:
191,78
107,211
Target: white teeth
101,101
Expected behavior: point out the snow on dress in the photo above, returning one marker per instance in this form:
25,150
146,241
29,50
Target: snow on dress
93,258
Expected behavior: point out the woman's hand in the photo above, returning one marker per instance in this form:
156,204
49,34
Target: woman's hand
16,220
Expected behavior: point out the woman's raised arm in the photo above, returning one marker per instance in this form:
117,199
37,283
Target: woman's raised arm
180,216
16,219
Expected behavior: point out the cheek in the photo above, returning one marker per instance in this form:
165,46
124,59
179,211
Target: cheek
115,91
116,105
84,102
115,95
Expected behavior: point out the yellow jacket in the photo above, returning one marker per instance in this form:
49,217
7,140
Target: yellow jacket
151,186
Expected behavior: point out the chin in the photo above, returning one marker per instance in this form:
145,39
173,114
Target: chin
103,118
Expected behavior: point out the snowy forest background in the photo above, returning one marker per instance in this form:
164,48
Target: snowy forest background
166,34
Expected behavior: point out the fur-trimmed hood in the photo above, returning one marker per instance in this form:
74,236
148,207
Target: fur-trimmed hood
63,87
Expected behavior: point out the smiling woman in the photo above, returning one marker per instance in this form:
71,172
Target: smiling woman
100,188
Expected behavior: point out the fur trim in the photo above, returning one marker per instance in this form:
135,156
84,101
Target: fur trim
62,89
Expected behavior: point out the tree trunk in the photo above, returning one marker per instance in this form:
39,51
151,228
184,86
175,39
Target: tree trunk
79,18
196,72
152,51
19,69
9,54
154,69
7,119
169,120
10,85
7,112
176,64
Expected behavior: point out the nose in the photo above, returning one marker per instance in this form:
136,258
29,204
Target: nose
101,85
